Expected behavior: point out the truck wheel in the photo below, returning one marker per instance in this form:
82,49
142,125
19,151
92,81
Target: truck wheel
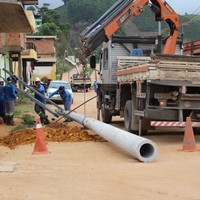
128,116
105,114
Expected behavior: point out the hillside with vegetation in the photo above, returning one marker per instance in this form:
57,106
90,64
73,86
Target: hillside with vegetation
74,12
67,21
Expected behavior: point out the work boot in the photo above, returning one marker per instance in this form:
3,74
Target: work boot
44,119
12,121
9,121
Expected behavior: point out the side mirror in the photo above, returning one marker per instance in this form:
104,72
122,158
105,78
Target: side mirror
93,62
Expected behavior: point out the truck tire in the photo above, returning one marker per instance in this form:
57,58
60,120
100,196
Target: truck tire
128,116
105,114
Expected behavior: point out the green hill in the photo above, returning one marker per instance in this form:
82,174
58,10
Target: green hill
80,14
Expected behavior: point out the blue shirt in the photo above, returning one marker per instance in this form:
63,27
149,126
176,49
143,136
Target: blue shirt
2,93
41,90
95,85
10,91
65,96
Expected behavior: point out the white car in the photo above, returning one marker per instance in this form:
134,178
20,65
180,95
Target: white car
54,85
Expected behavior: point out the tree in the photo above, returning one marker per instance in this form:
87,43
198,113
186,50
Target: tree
46,4
32,8
52,27
65,2
48,29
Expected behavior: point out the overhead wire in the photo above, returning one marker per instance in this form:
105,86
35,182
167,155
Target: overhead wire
192,16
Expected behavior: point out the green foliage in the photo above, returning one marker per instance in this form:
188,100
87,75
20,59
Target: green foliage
17,113
191,31
28,119
32,8
19,127
146,21
80,18
77,13
89,70
23,106
69,20
49,15
65,2
48,29
22,99
190,26
67,67
52,26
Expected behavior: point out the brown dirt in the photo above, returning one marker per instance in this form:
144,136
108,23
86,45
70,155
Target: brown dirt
54,132
98,170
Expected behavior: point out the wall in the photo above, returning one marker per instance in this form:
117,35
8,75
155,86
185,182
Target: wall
45,46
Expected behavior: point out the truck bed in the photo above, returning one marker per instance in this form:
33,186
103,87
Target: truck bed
169,67
79,82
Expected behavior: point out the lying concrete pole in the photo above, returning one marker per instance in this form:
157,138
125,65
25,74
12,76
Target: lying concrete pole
143,149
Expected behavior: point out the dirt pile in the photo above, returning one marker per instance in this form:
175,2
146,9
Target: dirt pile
54,132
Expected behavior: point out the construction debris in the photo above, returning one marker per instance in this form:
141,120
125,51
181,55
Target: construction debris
54,132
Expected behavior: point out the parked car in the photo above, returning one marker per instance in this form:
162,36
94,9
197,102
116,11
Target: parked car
54,85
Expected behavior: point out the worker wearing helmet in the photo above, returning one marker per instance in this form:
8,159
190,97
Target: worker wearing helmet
66,96
2,100
39,109
10,98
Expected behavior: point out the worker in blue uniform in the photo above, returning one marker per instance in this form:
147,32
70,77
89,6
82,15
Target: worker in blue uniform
10,98
66,96
39,109
2,101
95,85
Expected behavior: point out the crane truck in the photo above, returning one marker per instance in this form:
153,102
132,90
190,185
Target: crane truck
143,88
79,81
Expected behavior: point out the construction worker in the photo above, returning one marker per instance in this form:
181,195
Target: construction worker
2,100
39,109
66,96
10,98
95,86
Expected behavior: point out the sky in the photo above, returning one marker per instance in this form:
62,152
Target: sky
180,6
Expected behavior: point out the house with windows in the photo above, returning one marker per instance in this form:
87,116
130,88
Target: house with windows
15,23
45,65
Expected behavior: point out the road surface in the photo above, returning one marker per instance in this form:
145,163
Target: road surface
99,170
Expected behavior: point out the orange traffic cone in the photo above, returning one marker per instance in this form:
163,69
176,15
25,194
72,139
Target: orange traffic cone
189,144
40,143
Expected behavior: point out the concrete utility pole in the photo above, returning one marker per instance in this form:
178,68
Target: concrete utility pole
141,148
63,63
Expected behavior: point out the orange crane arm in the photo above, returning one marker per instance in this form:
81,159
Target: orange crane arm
119,14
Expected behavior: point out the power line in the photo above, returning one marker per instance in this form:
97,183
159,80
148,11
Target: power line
192,16
195,10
